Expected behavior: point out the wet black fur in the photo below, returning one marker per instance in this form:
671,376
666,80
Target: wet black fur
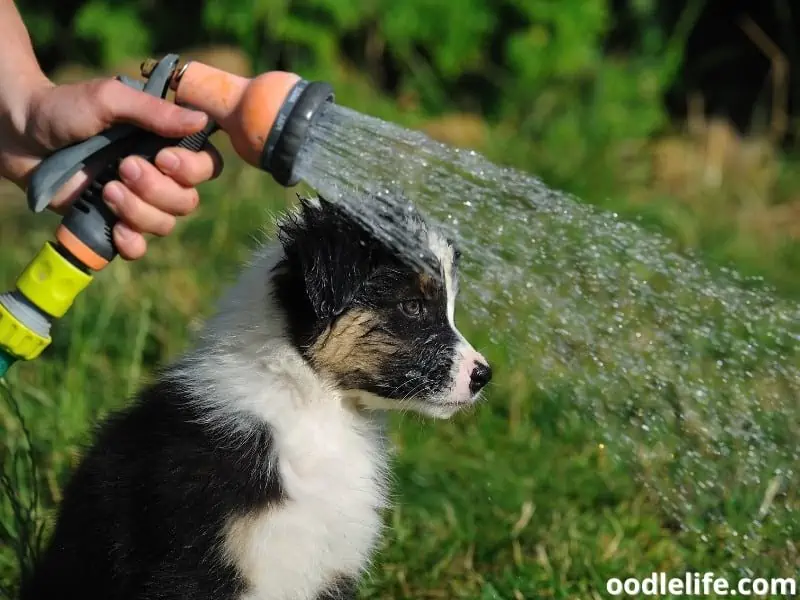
333,265
142,515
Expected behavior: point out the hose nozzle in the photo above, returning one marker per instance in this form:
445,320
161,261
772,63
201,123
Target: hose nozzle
267,117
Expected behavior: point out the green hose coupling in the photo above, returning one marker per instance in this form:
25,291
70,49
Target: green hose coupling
6,360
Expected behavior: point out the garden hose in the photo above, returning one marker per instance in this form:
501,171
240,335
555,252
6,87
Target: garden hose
267,119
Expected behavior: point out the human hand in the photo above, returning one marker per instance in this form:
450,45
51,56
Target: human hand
149,197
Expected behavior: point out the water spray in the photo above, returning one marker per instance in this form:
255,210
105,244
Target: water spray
267,119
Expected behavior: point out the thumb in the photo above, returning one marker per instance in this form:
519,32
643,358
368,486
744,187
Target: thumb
119,102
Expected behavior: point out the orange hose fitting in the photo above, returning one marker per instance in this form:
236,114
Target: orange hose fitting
266,117
245,109
80,250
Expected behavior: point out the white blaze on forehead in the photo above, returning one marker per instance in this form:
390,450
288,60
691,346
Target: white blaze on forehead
445,255
466,357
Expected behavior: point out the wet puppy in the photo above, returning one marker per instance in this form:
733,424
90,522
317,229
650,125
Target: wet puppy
254,468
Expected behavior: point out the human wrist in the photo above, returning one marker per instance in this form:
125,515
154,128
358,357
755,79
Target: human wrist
16,98
20,79
16,101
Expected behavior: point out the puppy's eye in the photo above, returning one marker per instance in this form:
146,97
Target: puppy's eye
411,308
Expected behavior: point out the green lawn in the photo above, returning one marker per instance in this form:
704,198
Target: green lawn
516,499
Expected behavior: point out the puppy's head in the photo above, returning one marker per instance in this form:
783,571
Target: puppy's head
365,320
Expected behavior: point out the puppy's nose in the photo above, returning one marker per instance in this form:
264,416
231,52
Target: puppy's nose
480,376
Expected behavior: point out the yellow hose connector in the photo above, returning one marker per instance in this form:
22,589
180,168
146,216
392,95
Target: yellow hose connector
51,282
18,339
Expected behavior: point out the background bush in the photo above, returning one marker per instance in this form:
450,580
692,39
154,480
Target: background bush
568,89
589,70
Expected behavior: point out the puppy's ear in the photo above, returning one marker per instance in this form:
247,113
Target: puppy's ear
332,277
332,254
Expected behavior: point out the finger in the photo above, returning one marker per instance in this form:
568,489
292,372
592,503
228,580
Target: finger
119,102
156,189
190,168
135,212
21,167
130,244
69,192
63,197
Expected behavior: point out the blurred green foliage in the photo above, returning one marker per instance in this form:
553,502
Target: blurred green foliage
544,67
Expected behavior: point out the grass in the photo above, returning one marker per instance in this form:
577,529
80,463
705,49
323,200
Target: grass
518,499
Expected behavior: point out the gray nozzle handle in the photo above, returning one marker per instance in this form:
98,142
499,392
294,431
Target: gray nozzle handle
55,170
58,168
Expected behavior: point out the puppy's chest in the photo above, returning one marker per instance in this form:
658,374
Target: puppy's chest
332,476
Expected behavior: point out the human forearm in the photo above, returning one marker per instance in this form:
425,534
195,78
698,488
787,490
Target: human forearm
20,72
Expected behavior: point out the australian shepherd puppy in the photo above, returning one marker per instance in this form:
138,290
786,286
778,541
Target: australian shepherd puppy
255,467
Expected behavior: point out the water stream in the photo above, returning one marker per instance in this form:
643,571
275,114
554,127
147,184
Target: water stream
692,376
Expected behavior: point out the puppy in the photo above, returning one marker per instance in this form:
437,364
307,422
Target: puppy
255,467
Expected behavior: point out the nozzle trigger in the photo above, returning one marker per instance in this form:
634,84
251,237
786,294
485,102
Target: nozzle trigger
60,167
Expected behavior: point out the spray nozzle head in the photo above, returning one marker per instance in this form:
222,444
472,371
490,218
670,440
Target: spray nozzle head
296,117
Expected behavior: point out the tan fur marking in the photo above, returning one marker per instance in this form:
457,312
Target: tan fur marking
238,537
428,286
350,347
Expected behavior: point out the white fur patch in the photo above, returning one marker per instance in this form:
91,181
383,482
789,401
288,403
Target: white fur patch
444,254
466,356
330,458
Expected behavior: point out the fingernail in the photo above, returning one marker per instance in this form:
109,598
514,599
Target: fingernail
130,170
124,233
168,161
113,193
193,118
